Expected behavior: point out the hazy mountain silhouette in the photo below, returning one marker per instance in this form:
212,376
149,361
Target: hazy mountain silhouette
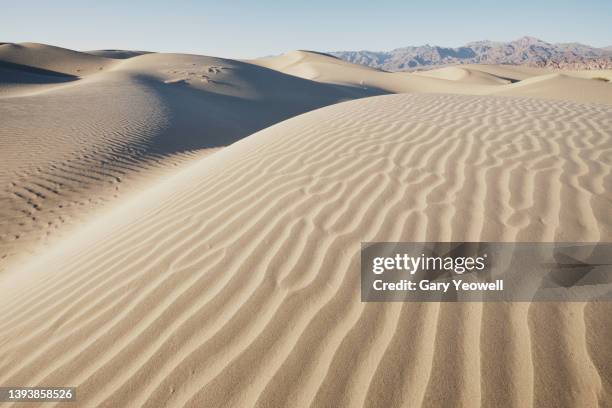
525,50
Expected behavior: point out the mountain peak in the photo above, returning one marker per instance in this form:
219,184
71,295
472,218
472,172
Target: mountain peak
529,40
525,50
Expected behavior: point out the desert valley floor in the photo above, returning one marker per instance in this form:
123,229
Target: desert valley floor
184,230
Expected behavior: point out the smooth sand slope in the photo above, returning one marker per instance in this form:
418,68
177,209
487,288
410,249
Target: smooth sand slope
89,129
52,59
557,86
235,282
464,79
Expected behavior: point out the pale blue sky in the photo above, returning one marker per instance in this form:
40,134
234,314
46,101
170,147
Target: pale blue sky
249,29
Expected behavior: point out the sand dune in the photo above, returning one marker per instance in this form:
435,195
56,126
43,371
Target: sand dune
328,69
512,72
465,79
30,67
313,65
69,148
50,58
465,75
235,282
169,238
558,86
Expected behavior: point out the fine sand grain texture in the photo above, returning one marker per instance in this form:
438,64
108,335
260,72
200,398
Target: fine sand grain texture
234,282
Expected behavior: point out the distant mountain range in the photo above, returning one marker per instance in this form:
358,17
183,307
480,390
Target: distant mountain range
524,51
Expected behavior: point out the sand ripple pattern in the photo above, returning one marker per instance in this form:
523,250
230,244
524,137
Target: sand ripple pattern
73,150
236,283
